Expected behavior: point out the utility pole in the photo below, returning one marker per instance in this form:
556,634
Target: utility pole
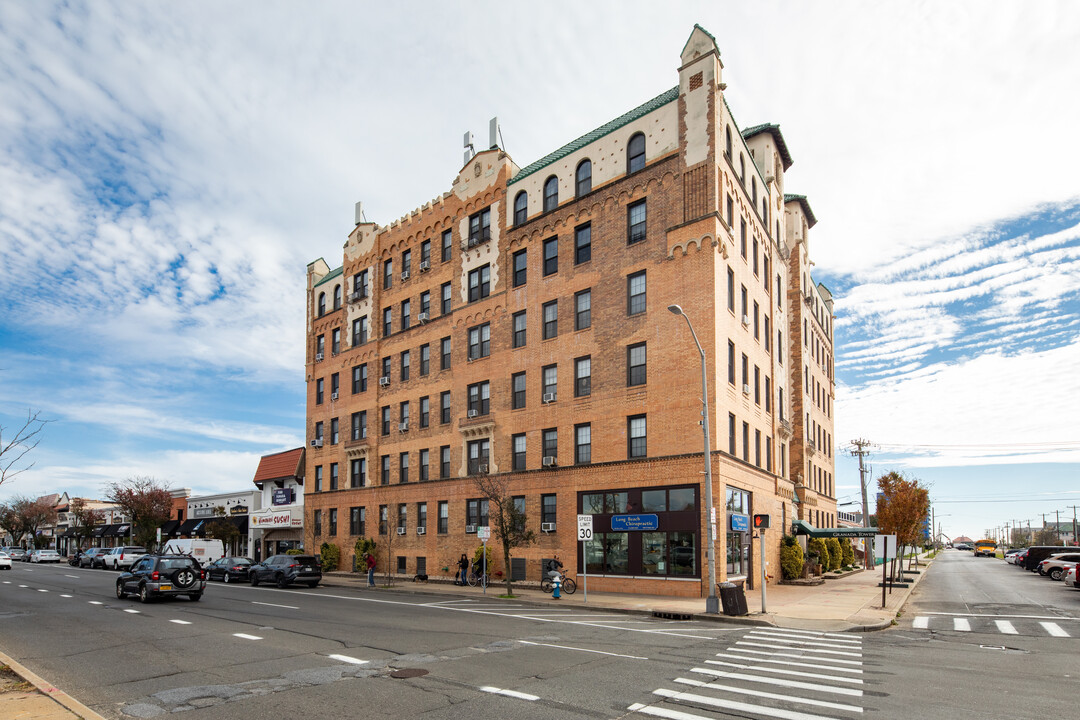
860,450
1057,526
1075,538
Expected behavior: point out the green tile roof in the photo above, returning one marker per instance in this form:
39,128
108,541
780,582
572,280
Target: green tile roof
330,276
657,102
811,221
775,131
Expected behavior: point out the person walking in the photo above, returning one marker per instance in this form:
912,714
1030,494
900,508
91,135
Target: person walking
463,569
369,560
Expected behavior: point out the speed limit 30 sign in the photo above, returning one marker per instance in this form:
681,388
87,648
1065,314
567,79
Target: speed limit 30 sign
584,528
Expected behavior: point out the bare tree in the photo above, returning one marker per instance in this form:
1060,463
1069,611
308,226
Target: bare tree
506,516
14,448
392,511
146,501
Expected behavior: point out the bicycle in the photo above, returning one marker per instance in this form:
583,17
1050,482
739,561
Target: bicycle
477,578
568,585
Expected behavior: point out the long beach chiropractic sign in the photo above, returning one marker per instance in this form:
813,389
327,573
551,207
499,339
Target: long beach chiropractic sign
276,518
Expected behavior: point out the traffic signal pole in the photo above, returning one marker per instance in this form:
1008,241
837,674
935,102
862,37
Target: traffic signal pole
761,534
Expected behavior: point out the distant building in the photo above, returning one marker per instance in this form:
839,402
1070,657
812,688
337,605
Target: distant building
279,526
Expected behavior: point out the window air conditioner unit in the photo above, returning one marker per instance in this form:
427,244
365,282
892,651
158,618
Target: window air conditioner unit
318,357
333,396
421,531
384,380
547,527
549,397
356,295
401,531
482,467
745,389
404,274
473,413
316,443
425,265
745,319
549,461
424,317
470,529
403,427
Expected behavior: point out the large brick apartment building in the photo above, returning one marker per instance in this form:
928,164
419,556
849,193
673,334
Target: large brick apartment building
519,325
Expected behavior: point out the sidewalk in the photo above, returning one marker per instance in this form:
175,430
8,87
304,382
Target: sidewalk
848,604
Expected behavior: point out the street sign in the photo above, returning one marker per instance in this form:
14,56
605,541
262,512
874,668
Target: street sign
623,523
584,527
739,522
483,533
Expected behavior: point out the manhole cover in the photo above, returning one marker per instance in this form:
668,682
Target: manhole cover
408,673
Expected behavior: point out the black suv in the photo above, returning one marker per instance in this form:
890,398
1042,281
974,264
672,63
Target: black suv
287,569
160,575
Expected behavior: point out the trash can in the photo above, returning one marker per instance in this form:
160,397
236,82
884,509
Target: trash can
733,598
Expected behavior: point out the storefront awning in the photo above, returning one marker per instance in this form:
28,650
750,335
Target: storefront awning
192,528
117,530
99,531
169,527
800,527
70,532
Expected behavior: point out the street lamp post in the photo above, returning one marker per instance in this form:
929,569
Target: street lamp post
712,603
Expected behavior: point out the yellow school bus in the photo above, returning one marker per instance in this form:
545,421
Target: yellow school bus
986,547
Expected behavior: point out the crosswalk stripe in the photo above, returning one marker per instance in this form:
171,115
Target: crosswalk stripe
961,624
769,695
777,645
796,654
921,623
812,643
790,662
1054,629
739,706
783,671
1006,627
664,712
832,639
816,687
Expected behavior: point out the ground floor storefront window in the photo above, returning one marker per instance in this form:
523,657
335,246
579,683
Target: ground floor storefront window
738,536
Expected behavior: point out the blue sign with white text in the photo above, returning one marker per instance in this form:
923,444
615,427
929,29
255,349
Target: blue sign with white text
739,522
634,522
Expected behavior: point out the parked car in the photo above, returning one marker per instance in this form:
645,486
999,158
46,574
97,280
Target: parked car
1070,578
1056,565
17,553
229,569
1010,555
1037,553
284,570
1018,559
93,558
123,556
5,561
44,556
162,575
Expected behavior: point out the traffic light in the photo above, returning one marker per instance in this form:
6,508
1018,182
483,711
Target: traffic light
761,522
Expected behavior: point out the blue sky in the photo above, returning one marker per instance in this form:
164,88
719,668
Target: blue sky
168,170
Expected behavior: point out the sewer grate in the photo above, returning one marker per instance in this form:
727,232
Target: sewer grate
408,673
672,615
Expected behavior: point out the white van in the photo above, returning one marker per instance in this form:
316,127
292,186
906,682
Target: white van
205,551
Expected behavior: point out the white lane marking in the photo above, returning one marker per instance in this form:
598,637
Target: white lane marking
180,622
289,607
245,636
598,652
816,687
94,602
7,582
72,576
664,712
67,596
347,659
810,643
772,696
790,662
921,622
961,625
1054,629
798,654
801,635
42,590
740,706
992,615
777,645
510,693
1006,627
133,612
22,586
783,671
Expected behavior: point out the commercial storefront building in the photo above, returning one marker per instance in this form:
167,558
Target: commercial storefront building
279,526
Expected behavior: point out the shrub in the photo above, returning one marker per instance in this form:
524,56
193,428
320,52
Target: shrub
791,558
294,551
330,555
818,549
363,546
848,551
478,558
835,553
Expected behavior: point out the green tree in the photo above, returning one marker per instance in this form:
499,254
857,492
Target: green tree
507,517
83,521
147,504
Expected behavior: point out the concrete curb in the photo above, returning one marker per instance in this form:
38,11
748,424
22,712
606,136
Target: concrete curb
50,691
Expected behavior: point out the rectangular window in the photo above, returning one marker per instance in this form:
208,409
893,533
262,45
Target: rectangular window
358,470
768,394
444,517
444,298
746,442
359,425
385,418
383,515
406,365
333,522
583,309
730,212
582,376
479,398
551,444
480,341
551,319
731,362
335,341
335,432
386,368
404,413
425,359
551,256
730,289
425,253
757,315
356,521
406,263
384,469
731,434
583,244
405,316
480,227
356,332
402,516
479,283
742,237
635,222
403,467
387,322
425,412
359,379
780,347
745,306
521,261
446,243
583,444
478,456
746,373
444,354
767,334
635,293
318,478
517,390
421,516
320,390
388,274
444,461
757,385
335,383
425,305
517,444
636,436
755,261
757,448
635,365
519,329
549,383
444,407
319,431
548,508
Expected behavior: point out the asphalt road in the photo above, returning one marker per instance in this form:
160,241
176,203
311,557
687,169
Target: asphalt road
247,652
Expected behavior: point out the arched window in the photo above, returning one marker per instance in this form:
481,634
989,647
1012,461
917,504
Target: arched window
551,193
322,304
635,153
521,207
584,177
727,142
337,297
